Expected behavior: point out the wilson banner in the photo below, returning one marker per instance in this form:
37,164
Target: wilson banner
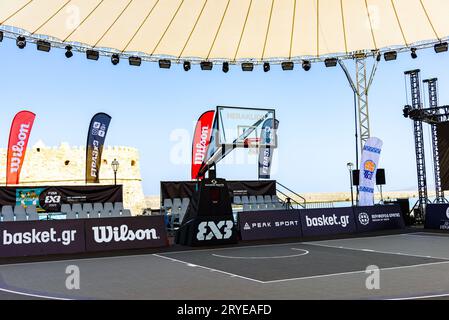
18,140
201,141
368,169
269,129
96,137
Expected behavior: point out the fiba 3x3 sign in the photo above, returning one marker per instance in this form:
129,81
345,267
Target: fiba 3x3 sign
210,230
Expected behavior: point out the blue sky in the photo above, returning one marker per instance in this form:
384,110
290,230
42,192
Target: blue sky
155,111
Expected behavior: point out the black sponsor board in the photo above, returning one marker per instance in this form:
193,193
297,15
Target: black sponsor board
31,238
50,199
207,231
186,189
270,224
125,233
322,222
437,217
378,218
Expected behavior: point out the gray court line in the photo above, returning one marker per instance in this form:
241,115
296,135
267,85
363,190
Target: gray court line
207,268
377,251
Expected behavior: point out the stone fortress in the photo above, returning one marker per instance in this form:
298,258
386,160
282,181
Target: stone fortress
65,165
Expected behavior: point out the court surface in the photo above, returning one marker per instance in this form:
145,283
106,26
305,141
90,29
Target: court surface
412,266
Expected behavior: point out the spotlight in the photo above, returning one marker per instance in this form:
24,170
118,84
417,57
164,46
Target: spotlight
164,64
378,57
225,67
406,111
331,62
206,65
441,47
135,61
247,66
43,45
115,59
68,52
266,67
21,42
1,36
92,55
287,65
306,65
390,56
187,65
413,54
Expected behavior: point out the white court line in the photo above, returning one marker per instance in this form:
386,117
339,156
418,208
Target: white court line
207,268
33,295
421,297
376,251
354,272
305,252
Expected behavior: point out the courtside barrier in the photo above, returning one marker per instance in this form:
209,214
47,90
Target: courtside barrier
262,225
437,216
33,238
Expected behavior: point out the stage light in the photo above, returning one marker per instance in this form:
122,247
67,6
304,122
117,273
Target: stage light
92,55
441,47
68,52
206,65
406,111
225,67
135,61
331,62
413,54
378,57
266,67
306,65
115,59
390,56
186,65
21,42
1,36
43,45
247,66
164,64
287,65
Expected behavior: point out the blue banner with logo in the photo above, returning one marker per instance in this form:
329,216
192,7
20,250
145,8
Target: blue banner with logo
376,218
96,137
437,216
368,169
269,129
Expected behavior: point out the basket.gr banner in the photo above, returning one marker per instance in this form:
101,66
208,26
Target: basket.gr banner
368,169
96,137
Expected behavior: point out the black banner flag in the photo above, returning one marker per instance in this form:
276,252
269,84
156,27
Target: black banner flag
265,151
95,141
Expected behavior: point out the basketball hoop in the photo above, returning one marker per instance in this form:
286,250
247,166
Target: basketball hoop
252,144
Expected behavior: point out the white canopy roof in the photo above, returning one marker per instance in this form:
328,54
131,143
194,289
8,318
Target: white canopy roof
233,30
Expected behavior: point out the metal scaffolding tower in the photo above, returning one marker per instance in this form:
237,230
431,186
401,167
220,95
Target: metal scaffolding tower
433,105
419,143
361,88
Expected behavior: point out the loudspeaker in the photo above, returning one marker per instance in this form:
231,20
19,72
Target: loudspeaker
356,177
380,177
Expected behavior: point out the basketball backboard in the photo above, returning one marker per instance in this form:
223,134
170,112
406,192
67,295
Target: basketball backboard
243,127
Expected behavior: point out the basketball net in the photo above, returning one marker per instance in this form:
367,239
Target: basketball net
253,145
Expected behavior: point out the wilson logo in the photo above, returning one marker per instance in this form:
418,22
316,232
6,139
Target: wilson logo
106,234
209,230
18,148
201,147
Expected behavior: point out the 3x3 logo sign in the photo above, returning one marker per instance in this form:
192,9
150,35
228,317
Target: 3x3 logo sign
209,230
